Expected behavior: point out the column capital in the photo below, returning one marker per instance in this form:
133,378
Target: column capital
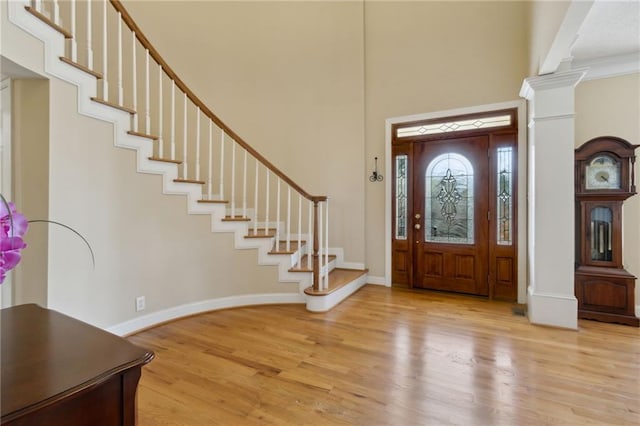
551,81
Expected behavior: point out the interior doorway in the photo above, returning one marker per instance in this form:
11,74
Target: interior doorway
454,204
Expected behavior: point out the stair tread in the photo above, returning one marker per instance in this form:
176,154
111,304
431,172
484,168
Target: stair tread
282,248
338,278
113,105
213,201
303,264
165,160
143,135
199,182
235,219
81,67
46,20
261,234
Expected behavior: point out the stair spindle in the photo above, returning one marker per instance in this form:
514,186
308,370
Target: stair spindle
255,201
134,75
288,227
74,43
233,178
89,36
299,231
185,159
278,215
244,186
197,143
320,252
120,87
160,114
326,241
221,195
56,11
210,169
266,215
38,5
173,119
310,236
147,114
105,66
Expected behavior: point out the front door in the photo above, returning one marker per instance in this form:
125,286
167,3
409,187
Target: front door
451,212
453,203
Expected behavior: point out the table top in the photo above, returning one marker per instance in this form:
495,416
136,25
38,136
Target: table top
47,356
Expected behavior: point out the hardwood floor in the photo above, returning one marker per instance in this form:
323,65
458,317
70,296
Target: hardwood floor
388,357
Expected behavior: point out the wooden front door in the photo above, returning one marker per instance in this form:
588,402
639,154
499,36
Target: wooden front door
450,213
454,210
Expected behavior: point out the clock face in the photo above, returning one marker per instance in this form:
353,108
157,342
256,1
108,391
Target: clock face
603,172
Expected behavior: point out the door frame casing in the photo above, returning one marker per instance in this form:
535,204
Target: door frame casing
520,106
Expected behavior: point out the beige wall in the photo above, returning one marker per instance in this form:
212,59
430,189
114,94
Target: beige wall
611,107
30,128
418,60
288,78
291,81
545,18
145,243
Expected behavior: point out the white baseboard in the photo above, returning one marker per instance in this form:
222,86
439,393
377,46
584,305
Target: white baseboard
146,321
376,280
556,310
351,265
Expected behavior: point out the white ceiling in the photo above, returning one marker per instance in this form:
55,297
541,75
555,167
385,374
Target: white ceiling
610,29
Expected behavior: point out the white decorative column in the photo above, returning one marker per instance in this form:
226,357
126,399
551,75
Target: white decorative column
551,297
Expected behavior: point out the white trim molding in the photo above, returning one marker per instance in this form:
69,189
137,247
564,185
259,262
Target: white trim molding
137,324
610,66
557,310
377,281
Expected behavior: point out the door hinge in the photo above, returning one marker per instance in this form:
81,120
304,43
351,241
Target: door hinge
489,215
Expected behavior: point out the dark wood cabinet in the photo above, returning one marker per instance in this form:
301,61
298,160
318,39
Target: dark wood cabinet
60,371
604,178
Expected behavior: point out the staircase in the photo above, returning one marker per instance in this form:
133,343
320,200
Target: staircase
122,79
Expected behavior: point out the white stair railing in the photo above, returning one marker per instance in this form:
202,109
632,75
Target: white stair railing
116,25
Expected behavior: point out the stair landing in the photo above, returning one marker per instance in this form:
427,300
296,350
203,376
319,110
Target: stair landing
342,284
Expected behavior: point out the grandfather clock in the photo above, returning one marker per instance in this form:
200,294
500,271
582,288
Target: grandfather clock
604,178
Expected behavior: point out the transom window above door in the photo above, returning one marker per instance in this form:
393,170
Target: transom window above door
449,126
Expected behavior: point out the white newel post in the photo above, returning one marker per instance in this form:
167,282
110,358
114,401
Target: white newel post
551,298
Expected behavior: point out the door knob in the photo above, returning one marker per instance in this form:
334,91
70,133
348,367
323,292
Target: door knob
418,216
417,226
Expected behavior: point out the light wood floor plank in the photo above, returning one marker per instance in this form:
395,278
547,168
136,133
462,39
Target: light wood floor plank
388,357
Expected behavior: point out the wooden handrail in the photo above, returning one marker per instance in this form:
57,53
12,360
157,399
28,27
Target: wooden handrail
182,86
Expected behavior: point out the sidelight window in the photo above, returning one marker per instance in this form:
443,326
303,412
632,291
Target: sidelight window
504,193
401,197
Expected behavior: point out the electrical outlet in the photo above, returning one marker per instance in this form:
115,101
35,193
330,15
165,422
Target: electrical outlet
140,303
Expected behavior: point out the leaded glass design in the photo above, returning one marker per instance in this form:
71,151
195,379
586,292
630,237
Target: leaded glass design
454,126
401,197
449,202
504,191
601,230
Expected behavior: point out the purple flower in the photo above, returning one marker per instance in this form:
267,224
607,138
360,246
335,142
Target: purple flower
13,226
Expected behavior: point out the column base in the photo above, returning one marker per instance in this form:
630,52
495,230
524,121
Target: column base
556,310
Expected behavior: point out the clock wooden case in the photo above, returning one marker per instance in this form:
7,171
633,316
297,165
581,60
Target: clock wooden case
604,178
